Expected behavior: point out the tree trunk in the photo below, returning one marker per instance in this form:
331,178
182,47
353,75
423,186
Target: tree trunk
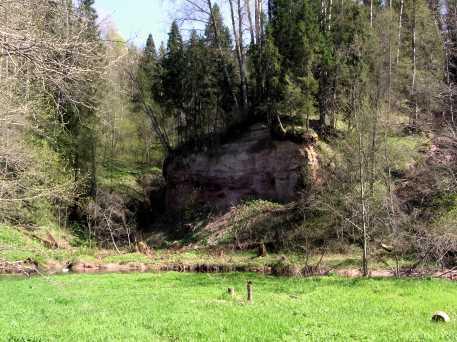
323,15
247,4
448,52
400,23
371,13
258,19
323,103
330,14
388,177
449,84
413,59
363,207
238,34
362,195
244,90
373,150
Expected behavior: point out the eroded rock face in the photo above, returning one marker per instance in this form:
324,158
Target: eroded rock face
253,166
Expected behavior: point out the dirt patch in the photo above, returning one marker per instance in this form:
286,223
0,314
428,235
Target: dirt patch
27,267
354,273
143,248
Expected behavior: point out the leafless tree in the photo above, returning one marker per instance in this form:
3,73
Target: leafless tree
44,50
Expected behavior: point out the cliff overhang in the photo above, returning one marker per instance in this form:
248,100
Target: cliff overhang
255,165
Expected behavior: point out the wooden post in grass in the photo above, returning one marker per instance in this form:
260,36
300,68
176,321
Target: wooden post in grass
231,291
262,252
249,288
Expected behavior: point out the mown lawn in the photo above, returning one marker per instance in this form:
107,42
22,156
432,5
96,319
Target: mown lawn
195,307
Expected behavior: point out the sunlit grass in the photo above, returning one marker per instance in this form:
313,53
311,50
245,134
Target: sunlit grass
405,151
195,307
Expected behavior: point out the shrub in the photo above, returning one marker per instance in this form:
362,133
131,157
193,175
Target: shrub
110,221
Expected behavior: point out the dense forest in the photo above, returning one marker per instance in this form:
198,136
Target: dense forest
87,120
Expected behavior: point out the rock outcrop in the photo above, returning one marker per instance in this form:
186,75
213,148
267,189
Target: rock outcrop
253,166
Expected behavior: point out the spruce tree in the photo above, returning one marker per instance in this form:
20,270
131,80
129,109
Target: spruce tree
150,52
266,61
219,43
173,65
199,91
149,72
221,64
223,32
173,75
86,134
87,6
295,31
76,141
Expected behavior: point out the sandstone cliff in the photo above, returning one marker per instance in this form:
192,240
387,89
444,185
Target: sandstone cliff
252,166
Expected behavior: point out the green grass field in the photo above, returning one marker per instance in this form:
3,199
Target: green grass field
195,307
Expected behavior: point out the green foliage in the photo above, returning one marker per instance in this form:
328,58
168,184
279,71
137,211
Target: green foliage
174,69
297,35
222,36
124,134
46,185
320,61
405,151
187,84
69,123
150,72
248,218
265,61
124,178
429,61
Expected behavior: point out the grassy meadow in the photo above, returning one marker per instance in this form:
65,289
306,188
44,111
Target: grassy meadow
196,307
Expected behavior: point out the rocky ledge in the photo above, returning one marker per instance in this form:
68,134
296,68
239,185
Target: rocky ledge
253,166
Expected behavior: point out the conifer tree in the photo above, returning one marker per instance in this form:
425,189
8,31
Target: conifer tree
86,135
76,141
220,60
200,91
173,65
222,37
87,7
269,90
150,52
295,30
150,71
173,76
218,39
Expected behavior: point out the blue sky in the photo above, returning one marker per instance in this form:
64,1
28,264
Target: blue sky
135,19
